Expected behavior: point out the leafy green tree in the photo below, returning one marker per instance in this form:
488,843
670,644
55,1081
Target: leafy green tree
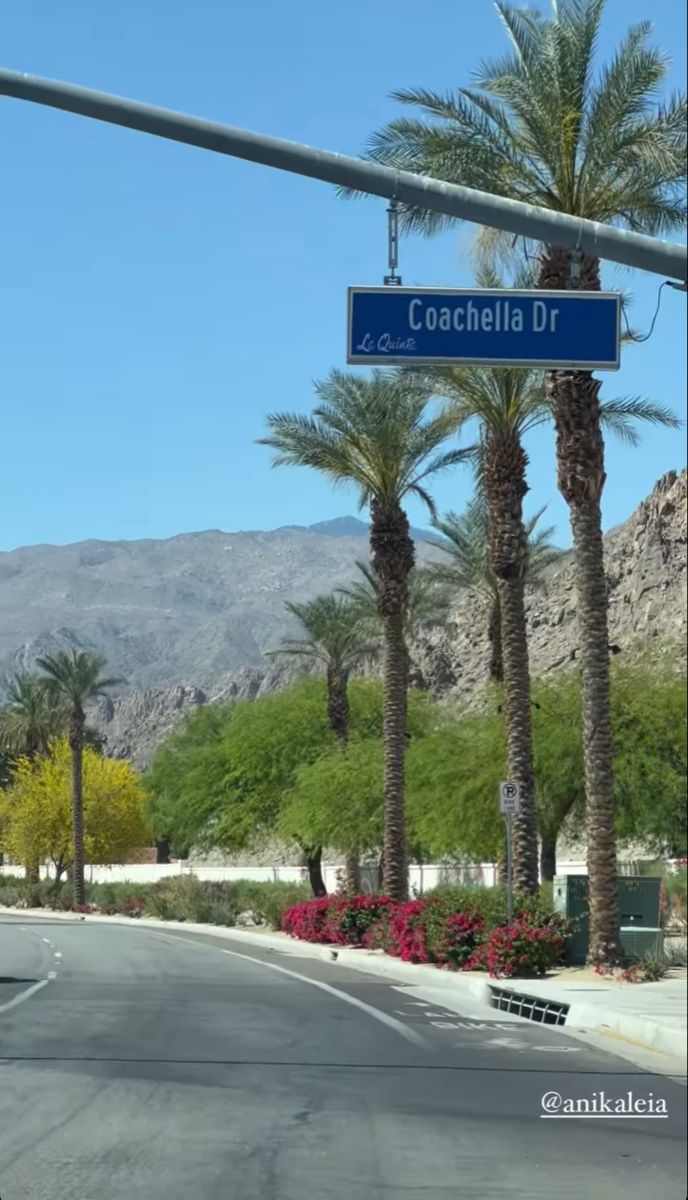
337,799
223,785
377,433
543,125
185,774
454,774
72,679
336,638
650,764
36,809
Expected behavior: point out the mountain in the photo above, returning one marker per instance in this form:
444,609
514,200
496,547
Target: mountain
646,575
645,560
188,619
188,610
352,527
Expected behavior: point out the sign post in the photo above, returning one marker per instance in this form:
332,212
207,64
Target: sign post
509,806
488,326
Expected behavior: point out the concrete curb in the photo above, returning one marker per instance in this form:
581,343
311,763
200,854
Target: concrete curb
599,1018
650,1034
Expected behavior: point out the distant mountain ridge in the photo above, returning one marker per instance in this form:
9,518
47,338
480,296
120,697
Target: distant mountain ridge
188,609
353,527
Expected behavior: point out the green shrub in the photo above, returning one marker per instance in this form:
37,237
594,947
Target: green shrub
267,900
10,881
114,897
176,899
491,902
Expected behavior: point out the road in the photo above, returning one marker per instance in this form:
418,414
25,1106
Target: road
154,1065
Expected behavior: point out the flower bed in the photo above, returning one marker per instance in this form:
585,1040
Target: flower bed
431,930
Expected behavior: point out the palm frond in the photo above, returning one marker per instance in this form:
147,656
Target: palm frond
335,632
75,677
545,125
619,415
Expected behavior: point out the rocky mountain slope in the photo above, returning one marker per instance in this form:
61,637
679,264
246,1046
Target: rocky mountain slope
645,560
646,572
188,620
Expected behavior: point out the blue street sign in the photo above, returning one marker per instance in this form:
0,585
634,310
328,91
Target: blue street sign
397,325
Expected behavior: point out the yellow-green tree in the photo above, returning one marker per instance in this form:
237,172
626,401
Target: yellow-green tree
36,818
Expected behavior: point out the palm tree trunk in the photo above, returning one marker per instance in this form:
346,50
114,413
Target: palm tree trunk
581,476
548,857
505,486
394,734
392,554
338,702
76,745
494,633
519,737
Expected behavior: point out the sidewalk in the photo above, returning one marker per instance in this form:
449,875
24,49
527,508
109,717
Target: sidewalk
649,1015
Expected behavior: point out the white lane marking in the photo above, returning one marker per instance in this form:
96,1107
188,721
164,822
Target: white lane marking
52,974
35,987
57,954
409,1035
376,1013
559,1049
46,940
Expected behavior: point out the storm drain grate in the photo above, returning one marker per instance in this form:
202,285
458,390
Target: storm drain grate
533,1008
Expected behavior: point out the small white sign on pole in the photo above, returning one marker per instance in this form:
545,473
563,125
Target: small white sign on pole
509,798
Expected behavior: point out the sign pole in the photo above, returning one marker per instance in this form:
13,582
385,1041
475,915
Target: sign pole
509,870
509,806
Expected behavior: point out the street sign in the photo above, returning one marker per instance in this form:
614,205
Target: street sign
490,327
509,798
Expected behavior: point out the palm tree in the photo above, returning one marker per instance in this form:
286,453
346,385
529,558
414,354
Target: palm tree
465,540
30,719
428,603
28,722
335,638
507,403
543,126
376,433
72,679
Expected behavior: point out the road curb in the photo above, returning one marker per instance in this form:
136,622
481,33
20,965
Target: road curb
645,1031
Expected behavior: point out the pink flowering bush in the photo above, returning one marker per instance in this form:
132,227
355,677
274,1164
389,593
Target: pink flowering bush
522,949
308,921
338,920
419,931
353,917
408,932
458,939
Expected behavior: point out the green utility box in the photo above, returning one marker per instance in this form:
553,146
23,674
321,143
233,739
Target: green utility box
639,898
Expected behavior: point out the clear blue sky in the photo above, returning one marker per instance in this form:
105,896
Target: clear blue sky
157,301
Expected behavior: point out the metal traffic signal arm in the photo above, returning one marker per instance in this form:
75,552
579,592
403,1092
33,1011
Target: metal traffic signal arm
604,241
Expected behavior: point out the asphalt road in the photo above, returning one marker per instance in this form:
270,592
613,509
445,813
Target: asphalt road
158,1066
